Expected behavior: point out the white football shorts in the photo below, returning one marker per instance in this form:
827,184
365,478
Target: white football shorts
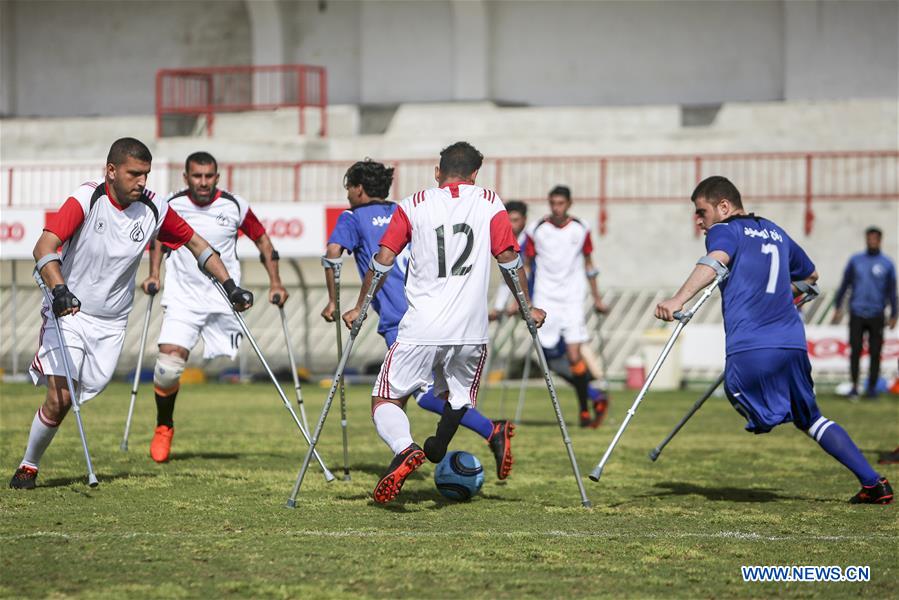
455,369
93,346
563,322
183,327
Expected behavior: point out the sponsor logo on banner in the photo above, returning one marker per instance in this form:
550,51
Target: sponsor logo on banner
702,347
297,230
19,230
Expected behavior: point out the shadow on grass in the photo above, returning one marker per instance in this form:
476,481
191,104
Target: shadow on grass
103,477
206,456
726,494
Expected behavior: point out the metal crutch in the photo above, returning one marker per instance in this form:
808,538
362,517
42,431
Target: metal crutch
151,290
523,387
298,390
335,264
510,270
810,292
378,271
246,331
92,480
682,319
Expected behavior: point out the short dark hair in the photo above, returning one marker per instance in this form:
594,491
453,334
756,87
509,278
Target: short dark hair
561,190
874,229
715,189
201,158
517,206
373,176
122,148
460,159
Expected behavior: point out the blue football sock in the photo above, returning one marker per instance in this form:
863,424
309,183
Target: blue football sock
839,445
472,420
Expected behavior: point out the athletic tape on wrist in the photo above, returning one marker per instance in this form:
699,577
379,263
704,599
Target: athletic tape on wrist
512,264
204,256
46,260
330,263
378,267
593,273
715,265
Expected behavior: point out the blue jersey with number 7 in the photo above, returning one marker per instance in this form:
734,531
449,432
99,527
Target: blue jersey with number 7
757,297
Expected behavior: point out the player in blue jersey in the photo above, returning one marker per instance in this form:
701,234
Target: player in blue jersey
359,231
767,374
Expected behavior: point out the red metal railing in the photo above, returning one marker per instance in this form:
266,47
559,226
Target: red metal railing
205,91
803,178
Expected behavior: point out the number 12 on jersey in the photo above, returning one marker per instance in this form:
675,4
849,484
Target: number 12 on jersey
459,267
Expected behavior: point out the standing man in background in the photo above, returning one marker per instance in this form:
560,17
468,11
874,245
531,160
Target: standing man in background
562,248
872,277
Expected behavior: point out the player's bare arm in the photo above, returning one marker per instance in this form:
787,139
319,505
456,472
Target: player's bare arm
277,294
331,251
64,301
701,277
592,274
155,266
385,257
507,256
241,299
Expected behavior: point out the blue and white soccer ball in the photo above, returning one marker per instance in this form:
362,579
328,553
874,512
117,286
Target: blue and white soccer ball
459,476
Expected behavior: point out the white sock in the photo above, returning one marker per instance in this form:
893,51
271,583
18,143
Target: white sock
38,440
393,426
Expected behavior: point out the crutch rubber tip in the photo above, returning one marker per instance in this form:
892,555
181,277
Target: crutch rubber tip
291,504
595,475
587,504
329,476
654,454
92,480
347,477
123,446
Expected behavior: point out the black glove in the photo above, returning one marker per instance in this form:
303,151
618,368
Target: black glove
237,295
64,300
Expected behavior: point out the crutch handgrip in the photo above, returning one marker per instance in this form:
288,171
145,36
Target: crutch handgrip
152,289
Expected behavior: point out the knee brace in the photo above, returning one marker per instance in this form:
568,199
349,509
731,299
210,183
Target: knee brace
167,373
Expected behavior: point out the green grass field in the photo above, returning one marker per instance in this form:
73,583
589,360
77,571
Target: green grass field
212,522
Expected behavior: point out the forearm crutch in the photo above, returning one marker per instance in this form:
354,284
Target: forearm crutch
92,480
298,390
654,454
510,270
808,292
335,264
378,272
682,319
523,387
151,290
246,331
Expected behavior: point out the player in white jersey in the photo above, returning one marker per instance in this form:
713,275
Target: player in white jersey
193,308
561,247
103,228
503,302
453,230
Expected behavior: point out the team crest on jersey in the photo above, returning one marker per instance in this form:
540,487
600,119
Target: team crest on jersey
137,234
100,226
221,219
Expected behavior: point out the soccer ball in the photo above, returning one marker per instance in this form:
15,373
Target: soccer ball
459,476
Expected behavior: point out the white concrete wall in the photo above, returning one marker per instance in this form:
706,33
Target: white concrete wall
100,57
636,52
836,48
83,57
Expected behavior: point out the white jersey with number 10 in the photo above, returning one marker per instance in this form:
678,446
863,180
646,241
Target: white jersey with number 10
454,232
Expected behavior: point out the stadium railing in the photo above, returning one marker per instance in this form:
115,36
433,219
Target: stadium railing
205,91
792,177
